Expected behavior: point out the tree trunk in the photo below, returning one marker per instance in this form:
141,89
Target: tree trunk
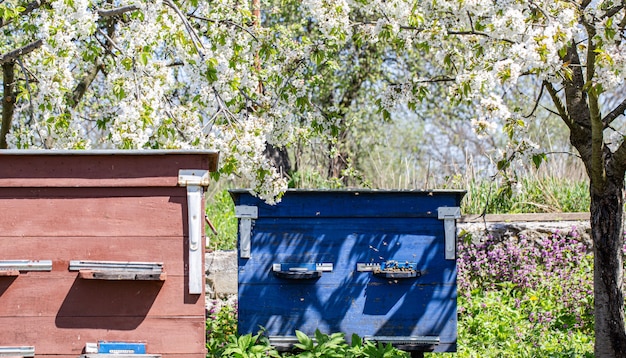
279,158
8,102
338,161
606,227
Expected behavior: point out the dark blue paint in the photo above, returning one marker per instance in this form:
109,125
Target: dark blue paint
345,228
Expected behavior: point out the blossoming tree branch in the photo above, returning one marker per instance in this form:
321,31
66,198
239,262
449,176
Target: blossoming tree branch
211,74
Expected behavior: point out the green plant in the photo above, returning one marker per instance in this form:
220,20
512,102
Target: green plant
379,350
249,346
329,346
526,195
221,324
220,211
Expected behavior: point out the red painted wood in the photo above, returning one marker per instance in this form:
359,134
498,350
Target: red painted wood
171,251
98,215
50,335
99,170
120,207
56,293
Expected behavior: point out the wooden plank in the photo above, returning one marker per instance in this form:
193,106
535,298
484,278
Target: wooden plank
529,217
163,335
120,275
44,169
52,294
351,204
170,250
94,216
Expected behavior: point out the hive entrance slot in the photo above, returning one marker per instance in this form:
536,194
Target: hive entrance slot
114,270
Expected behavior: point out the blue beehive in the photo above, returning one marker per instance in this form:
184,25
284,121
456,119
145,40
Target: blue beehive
380,264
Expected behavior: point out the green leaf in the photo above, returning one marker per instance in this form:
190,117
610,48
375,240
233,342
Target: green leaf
538,159
318,57
306,343
127,62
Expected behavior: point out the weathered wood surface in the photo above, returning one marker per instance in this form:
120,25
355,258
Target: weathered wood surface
49,169
53,293
98,207
163,335
170,251
348,228
93,212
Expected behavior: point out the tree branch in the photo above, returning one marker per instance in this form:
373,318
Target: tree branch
83,85
227,22
612,11
13,55
117,11
619,158
616,112
562,111
30,7
543,85
195,39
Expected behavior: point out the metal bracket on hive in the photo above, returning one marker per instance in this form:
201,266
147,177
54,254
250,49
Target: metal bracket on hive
449,216
17,351
245,214
118,270
14,267
295,271
195,180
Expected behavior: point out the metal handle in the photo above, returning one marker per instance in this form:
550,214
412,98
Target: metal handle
298,275
396,275
295,271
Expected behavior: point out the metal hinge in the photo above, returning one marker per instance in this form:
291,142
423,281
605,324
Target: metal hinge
449,214
245,214
195,180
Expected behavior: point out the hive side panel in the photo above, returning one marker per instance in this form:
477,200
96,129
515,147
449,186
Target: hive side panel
100,212
99,170
97,208
66,296
347,229
163,335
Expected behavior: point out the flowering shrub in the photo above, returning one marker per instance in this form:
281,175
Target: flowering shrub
221,324
526,296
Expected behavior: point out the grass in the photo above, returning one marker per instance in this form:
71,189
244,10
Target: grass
220,211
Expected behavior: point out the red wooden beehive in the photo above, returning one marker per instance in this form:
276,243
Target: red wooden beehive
102,246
